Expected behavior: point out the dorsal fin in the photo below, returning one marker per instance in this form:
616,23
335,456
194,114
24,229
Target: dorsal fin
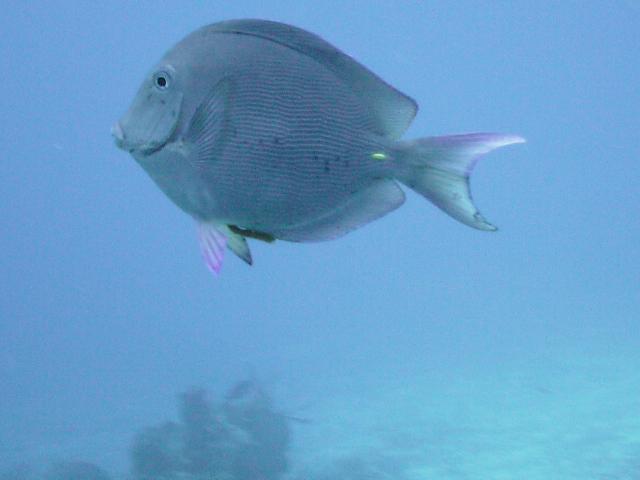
392,111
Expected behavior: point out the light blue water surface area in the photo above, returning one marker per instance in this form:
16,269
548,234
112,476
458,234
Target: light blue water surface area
414,348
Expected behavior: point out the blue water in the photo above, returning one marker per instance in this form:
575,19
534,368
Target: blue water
414,348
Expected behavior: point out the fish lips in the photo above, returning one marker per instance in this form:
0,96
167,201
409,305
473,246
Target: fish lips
123,143
119,138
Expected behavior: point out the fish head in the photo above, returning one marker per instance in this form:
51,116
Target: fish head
154,114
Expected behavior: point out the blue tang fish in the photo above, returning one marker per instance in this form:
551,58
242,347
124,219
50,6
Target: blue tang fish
262,130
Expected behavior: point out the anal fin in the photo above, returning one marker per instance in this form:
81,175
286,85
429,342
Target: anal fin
364,206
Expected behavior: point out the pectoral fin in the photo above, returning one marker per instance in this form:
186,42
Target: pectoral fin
210,124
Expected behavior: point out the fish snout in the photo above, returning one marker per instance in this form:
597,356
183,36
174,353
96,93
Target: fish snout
119,136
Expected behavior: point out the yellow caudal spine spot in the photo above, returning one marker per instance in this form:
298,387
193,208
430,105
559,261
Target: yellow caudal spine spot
379,156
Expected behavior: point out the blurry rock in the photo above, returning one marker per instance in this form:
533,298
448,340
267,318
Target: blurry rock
156,453
244,438
262,455
205,441
240,390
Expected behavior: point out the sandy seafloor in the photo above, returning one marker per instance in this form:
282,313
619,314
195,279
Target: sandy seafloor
570,413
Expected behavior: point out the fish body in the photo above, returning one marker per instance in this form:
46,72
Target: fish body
262,130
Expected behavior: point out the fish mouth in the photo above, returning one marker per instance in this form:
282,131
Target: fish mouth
122,142
120,139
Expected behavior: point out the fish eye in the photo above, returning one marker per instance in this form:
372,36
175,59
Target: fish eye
162,80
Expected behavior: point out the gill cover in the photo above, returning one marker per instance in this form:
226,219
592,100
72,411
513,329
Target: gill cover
153,116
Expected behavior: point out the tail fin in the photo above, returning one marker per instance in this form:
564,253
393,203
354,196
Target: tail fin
439,168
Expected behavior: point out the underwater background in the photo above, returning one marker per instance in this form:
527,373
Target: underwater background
413,348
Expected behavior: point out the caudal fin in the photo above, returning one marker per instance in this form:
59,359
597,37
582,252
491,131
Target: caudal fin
439,168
